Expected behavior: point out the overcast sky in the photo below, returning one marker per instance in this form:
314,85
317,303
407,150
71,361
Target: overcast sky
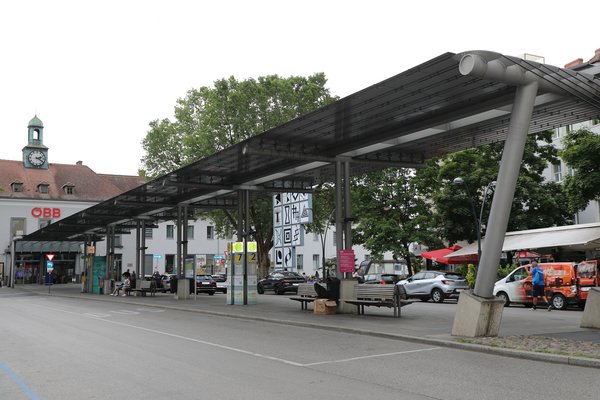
97,72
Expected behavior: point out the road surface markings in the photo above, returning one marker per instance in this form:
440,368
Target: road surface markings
26,389
235,349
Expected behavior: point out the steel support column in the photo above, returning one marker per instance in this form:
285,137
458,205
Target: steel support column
339,222
505,189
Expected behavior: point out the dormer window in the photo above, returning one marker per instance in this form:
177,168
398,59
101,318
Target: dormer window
17,187
43,188
69,188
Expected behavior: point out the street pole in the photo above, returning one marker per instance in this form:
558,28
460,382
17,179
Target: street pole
461,181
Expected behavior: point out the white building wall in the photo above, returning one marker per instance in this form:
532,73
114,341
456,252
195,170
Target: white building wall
556,173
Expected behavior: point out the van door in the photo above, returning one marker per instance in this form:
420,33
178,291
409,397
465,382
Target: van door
518,287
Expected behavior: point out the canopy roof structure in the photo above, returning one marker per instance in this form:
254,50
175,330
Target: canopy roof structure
426,111
576,237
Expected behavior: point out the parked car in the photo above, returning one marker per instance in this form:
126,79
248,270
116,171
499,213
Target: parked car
166,283
382,279
435,285
221,282
567,283
205,284
280,282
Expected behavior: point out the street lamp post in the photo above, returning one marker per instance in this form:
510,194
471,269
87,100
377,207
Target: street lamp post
461,181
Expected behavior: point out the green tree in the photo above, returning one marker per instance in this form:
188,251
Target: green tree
537,204
210,119
580,152
391,214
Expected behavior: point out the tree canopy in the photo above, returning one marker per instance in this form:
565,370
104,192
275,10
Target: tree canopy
210,119
537,204
580,153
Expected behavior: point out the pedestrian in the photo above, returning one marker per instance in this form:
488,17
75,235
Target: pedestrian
538,288
305,277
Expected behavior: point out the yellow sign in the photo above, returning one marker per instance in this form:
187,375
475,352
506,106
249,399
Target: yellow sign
251,247
252,257
238,258
238,247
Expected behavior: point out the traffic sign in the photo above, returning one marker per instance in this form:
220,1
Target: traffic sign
50,264
50,257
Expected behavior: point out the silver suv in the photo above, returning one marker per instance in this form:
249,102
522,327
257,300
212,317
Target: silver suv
435,285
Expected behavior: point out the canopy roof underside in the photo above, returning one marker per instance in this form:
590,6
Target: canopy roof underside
424,112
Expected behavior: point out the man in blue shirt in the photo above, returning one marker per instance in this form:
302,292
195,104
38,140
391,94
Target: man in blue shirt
538,285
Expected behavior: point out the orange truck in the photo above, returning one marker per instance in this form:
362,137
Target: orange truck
567,283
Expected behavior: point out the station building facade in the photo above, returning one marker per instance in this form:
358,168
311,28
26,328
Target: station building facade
35,192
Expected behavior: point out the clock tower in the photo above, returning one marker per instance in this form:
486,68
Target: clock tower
35,154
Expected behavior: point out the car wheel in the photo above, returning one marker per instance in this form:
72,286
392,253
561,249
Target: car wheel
558,301
211,293
437,295
260,290
504,297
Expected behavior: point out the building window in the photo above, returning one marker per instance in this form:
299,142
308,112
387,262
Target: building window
118,241
68,189
43,188
557,172
170,231
334,237
17,187
300,261
148,233
42,222
316,261
17,227
210,232
190,231
556,134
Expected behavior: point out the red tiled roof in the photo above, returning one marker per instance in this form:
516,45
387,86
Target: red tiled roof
87,185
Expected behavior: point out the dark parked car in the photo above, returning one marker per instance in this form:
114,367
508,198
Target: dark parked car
205,284
280,282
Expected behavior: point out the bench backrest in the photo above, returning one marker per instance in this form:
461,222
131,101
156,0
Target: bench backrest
145,284
375,292
306,290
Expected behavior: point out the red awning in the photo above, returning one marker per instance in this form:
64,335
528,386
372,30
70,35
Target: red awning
440,256
528,254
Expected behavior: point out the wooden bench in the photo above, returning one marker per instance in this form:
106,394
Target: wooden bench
391,296
306,294
145,287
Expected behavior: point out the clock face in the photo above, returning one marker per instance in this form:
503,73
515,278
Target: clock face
36,158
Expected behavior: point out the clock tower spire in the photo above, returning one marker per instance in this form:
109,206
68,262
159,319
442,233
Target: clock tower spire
35,154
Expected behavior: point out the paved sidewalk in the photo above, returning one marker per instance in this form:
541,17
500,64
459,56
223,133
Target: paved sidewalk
423,322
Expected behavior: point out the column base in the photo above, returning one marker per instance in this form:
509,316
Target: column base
347,292
476,316
183,289
591,313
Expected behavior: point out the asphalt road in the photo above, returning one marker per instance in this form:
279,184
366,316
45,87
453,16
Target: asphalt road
61,348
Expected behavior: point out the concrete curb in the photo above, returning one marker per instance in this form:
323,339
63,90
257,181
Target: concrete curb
505,352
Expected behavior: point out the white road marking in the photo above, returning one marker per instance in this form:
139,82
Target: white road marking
235,349
370,356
